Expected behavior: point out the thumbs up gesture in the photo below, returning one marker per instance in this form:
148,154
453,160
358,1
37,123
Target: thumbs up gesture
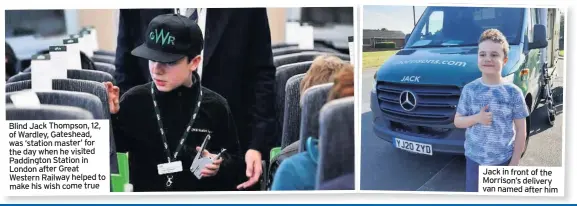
484,116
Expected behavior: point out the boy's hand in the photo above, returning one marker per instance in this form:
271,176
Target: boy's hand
484,117
210,169
253,160
113,97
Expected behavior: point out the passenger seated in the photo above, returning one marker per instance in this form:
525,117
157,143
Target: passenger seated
322,71
299,171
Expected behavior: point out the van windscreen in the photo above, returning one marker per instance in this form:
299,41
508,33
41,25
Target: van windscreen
462,26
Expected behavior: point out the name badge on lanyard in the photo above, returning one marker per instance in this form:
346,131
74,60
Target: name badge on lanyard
169,168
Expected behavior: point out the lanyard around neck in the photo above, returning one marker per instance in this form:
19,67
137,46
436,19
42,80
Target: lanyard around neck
188,127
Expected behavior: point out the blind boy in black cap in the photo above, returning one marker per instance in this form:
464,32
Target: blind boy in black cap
161,124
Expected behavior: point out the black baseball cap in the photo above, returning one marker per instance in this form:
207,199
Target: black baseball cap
169,38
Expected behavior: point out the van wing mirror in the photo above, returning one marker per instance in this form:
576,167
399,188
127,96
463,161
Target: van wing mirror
539,37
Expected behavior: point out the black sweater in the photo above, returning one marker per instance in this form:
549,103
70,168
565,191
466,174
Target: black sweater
136,131
238,64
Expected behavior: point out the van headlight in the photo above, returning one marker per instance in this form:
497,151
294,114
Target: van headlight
509,78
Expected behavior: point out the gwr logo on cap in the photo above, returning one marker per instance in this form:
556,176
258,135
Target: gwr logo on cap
162,37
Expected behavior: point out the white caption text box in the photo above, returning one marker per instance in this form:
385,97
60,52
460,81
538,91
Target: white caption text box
521,180
53,157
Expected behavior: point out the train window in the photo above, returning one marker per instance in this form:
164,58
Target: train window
35,23
327,15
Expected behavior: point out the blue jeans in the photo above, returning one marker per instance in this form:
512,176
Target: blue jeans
472,174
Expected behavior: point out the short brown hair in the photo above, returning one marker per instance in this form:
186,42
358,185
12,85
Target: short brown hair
321,71
344,84
496,36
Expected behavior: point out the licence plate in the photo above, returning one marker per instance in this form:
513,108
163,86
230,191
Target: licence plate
414,147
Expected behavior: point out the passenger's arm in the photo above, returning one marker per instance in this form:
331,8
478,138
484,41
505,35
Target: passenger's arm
262,110
263,69
520,138
126,64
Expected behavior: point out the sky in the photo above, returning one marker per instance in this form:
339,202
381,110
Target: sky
391,17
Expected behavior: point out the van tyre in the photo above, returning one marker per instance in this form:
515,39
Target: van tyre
551,118
547,91
550,104
551,111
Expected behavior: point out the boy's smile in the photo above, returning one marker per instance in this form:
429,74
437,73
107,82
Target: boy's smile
491,57
487,65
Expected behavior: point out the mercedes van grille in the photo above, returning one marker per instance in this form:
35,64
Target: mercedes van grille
421,131
434,104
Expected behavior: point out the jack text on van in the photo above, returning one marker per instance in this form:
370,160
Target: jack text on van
410,79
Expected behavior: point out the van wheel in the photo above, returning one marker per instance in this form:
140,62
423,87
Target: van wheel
551,111
548,97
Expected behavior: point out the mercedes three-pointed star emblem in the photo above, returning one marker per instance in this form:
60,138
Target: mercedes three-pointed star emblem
408,101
